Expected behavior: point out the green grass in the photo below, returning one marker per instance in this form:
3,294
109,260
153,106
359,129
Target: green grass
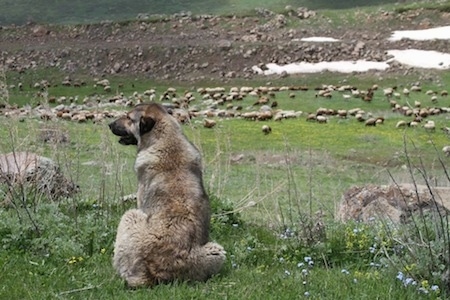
282,180
346,144
75,12
283,281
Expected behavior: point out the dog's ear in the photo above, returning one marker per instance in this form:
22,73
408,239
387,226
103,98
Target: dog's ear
146,124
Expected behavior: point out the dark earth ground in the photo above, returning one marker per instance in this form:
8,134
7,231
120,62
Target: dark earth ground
197,48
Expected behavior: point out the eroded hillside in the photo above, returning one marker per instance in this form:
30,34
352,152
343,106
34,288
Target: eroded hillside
190,47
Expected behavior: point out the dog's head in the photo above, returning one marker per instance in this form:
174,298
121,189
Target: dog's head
137,122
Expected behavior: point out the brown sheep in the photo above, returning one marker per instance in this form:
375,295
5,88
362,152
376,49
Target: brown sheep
208,123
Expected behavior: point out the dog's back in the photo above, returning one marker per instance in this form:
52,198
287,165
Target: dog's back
170,181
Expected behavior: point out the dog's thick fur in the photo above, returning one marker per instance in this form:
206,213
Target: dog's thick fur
167,237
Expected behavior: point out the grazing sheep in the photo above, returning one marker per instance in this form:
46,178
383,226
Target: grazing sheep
368,97
342,113
388,92
380,120
393,103
264,115
424,112
311,117
446,130
356,93
266,129
354,111
401,124
251,115
208,123
103,82
321,119
416,88
446,150
278,116
261,101
429,125
371,122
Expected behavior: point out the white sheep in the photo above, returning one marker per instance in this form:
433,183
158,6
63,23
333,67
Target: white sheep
446,150
401,124
429,125
371,122
388,92
321,119
266,129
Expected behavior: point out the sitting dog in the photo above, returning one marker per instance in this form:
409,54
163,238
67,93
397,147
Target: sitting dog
167,237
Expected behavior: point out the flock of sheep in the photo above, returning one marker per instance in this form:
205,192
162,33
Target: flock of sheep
212,103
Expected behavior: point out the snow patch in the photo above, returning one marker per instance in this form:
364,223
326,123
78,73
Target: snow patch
332,66
410,57
421,58
319,39
437,33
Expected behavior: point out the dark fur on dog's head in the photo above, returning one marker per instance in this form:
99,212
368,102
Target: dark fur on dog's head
137,122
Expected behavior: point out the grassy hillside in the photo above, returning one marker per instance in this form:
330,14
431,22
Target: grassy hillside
83,11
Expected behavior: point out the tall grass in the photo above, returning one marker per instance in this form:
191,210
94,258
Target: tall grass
293,252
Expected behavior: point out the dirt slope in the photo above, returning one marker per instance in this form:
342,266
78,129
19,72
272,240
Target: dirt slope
186,47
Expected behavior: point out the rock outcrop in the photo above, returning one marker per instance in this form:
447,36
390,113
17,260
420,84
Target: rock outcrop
28,172
395,203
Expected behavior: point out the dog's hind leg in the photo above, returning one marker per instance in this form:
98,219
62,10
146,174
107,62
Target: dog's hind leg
128,260
205,261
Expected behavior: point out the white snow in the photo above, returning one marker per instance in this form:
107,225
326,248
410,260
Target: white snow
437,33
319,39
421,58
409,57
333,66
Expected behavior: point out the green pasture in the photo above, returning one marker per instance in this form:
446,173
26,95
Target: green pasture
264,202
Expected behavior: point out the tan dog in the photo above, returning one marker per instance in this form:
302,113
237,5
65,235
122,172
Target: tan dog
167,237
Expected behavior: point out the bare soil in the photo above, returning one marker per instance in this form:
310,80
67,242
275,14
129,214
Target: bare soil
192,48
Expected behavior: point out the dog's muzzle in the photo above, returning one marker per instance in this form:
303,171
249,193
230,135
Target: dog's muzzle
119,129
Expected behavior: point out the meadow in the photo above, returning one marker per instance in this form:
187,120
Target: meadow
274,197
265,204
